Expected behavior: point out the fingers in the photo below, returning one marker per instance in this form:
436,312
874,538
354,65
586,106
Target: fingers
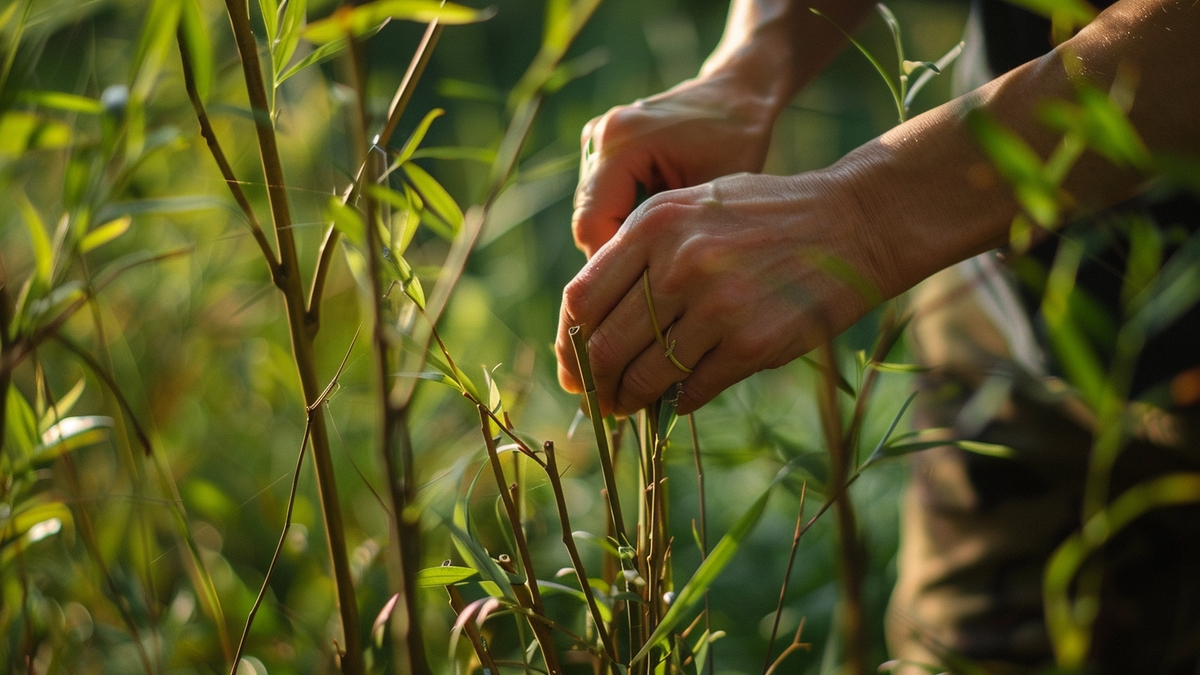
602,284
610,171
652,372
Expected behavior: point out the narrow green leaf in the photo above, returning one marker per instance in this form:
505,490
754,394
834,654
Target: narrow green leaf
884,367
706,574
62,406
157,35
1078,12
43,256
21,423
72,434
879,451
474,553
159,207
435,197
445,575
33,524
270,16
825,371
199,45
893,86
893,26
62,101
347,220
359,20
104,234
552,587
418,135
989,449
292,22
409,283
1019,165
924,78
323,53
482,155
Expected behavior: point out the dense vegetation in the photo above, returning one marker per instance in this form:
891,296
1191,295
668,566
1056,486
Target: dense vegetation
185,231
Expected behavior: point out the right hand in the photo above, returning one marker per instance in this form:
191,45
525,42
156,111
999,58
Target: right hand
701,129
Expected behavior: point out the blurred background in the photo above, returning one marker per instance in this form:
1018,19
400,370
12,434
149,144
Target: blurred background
198,344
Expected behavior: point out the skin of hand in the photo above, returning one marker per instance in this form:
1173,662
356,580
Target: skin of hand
732,105
753,271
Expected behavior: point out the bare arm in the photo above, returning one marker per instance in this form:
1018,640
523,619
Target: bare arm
737,264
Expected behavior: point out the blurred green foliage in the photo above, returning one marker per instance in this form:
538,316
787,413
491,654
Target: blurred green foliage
157,559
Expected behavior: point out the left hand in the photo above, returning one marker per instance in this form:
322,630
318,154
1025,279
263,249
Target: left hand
749,271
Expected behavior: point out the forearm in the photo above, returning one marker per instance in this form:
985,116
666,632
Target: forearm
930,197
779,46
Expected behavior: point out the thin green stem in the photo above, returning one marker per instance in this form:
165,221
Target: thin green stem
287,523
579,342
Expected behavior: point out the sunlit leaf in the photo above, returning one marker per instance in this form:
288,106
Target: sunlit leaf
1019,165
481,155
270,16
73,433
157,35
43,256
1078,12
928,74
347,220
159,206
418,135
31,525
104,234
62,406
357,21
445,575
62,101
20,421
435,196
322,53
199,45
290,25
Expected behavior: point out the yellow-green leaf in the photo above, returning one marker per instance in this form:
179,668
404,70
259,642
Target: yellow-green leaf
104,234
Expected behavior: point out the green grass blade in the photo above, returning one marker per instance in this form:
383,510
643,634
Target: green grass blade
893,86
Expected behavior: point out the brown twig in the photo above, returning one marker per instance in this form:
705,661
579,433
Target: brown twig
533,599
301,335
214,147
401,486
568,540
477,642
100,372
787,575
404,92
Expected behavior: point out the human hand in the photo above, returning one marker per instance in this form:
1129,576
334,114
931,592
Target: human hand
716,124
749,271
